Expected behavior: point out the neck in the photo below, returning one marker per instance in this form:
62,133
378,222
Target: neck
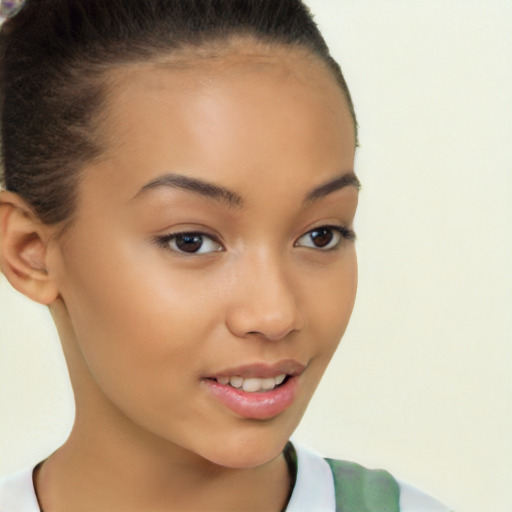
111,464
103,472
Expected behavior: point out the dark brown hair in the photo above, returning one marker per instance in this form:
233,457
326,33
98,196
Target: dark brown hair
54,58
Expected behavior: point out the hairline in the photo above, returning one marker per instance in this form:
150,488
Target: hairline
189,56
195,56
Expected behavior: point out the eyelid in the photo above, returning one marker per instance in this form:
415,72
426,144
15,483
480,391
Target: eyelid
344,232
163,241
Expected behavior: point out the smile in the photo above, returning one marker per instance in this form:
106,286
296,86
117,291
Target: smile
257,391
253,384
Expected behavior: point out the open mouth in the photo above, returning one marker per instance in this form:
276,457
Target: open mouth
253,384
257,391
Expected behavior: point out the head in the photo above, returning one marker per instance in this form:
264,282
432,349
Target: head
180,191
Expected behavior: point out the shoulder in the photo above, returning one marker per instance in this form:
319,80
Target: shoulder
17,493
413,499
349,486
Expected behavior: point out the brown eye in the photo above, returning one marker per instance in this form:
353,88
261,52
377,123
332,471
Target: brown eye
190,243
323,238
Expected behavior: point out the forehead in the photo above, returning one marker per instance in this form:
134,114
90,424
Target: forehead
241,69
225,113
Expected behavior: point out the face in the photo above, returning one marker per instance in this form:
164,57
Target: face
211,270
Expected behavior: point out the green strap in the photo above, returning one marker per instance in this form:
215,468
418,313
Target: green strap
363,490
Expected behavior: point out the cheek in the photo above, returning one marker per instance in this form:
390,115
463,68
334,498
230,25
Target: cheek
140,341
134,319
331,313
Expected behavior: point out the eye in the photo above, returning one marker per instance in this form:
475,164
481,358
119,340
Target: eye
190,243
325,238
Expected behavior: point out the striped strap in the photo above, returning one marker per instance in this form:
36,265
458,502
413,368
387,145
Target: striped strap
363,490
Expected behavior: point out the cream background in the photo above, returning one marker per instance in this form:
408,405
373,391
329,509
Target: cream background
422,383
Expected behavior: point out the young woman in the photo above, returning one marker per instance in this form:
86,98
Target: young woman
180,191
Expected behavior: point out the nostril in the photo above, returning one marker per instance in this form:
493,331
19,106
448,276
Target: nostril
267,315
271,334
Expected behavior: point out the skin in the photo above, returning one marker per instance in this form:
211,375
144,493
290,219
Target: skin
142,325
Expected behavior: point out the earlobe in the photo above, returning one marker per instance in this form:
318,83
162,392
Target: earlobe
23,249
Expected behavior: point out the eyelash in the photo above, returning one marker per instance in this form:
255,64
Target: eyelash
344,233
165,240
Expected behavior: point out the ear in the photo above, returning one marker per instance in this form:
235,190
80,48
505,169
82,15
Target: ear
24,242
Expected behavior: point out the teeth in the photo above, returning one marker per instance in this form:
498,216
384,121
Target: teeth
253,384
268,384
236,382
280,379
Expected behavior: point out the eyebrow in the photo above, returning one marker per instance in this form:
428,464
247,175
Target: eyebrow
348,179
232,199
198,186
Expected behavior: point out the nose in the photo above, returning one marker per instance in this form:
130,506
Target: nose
265,302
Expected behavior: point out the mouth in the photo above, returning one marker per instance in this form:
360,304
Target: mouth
257,391
253,384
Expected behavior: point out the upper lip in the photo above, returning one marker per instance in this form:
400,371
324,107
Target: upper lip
263,370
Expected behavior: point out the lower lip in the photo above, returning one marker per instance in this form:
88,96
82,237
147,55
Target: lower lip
256,406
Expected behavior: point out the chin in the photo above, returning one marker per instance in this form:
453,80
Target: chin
246,459
246,451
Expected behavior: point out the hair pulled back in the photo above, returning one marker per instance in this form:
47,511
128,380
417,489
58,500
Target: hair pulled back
54,58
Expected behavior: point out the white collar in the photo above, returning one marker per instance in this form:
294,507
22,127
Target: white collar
314,487
17,493
313,490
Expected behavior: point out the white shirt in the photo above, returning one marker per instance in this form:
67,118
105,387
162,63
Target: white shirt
313,491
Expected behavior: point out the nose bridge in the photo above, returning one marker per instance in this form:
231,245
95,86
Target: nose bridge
266,302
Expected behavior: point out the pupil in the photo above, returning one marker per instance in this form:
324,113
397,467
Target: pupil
322,237
189,243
